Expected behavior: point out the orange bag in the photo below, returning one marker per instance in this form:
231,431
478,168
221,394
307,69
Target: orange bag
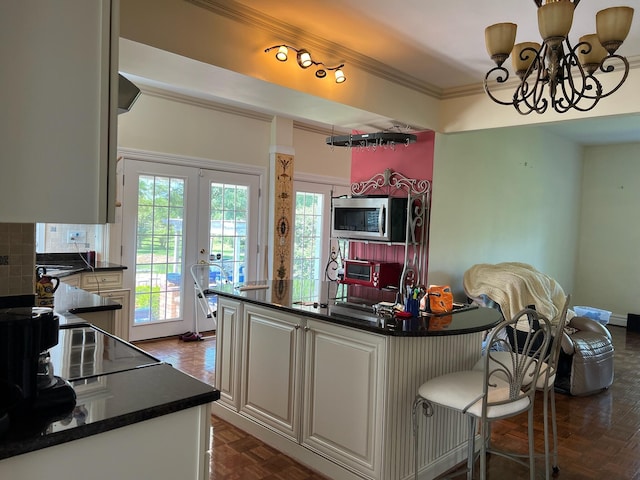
440,298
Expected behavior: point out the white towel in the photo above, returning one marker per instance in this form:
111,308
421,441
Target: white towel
514,286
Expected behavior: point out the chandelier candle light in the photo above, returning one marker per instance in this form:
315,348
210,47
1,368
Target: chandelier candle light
566,71
303,57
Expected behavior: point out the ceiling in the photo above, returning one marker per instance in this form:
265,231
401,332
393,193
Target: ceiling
437,42
440,44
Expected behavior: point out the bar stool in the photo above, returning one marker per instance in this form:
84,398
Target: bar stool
501,389
545,383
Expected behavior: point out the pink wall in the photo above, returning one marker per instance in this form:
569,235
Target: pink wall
412,161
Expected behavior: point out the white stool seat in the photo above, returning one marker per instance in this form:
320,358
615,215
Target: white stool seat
463,391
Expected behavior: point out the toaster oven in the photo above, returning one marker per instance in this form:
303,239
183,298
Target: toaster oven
371,273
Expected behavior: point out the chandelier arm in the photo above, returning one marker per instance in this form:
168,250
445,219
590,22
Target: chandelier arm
610,68
530,92
588,82
499,79
569,94
532,98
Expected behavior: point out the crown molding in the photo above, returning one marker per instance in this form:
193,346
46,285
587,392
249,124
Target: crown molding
196,101
289,33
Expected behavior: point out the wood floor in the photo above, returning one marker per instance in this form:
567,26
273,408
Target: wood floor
599,434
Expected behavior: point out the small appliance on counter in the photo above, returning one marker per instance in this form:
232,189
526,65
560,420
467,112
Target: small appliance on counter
371,273
31,396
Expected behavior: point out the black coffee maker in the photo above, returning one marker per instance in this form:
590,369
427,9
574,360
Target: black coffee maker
31,396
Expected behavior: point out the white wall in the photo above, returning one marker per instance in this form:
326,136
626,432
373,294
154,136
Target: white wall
500,195
315,157
608,268
172,124
166,125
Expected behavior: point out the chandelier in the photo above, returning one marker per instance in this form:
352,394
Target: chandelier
304,60
564,73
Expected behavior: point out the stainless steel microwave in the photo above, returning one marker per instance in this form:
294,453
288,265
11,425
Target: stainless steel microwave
382,219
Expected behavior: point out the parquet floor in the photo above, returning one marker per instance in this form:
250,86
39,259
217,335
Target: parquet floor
599,434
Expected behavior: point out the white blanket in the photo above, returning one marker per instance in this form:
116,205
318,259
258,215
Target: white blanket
514,286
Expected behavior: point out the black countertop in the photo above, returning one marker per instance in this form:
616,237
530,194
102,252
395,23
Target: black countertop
116,385
72,300
351,305
65,264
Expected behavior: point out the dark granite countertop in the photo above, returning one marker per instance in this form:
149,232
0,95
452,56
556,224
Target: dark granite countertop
351,305
117,385
75,301
66,264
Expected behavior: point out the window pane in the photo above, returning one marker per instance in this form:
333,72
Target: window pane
308,235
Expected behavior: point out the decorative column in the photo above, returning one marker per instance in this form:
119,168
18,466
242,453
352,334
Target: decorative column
283,216
281,208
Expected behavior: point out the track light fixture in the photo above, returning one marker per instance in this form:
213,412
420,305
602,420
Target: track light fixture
304,60
557,69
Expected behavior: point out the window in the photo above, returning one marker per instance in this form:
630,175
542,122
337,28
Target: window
308,236
312,243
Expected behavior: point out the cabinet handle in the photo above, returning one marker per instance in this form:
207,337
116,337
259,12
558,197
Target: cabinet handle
306,329
297,327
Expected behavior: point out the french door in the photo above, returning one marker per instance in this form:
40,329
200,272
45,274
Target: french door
174,217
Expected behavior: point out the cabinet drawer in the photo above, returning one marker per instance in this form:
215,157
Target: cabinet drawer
72,280
101,280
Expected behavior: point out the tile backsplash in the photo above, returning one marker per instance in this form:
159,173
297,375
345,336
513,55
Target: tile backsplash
17,258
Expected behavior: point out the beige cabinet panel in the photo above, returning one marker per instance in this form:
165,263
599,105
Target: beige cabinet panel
344,395
121,317
228,353
101,280
271,369
72,280
58,123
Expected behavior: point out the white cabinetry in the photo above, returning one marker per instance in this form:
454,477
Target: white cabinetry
58,123
272,368
228,353
100,280
335,398
169,447
319,385
344,395
121,317
107,284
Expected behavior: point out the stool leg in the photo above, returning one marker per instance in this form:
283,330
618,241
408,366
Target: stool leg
532,452
471,451
419,401
545,419
554,427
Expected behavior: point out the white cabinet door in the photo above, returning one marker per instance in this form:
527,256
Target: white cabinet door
228,344
58,122
272,368
344,395
121,317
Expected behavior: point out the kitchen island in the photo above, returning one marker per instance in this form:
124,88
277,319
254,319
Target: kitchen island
134,417
311,369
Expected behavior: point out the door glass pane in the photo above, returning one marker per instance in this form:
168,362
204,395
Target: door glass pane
307,241
228,229
159,256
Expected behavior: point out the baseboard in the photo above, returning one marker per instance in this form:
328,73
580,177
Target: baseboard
618,320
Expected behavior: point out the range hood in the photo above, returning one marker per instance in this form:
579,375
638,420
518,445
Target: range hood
127,94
